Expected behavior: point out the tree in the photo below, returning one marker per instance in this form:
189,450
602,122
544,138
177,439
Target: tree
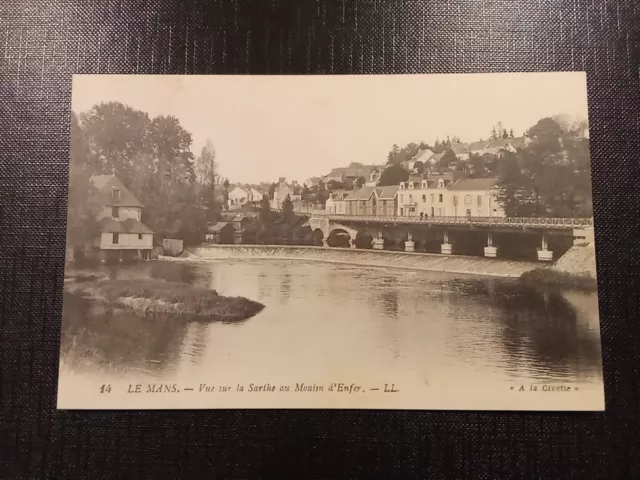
477,166
511,192
511,133
206,173
505,135
83,207
494,134
393,176
272,190
419,167
360,181
306,193
225,184
265,211
335,185
447,158
392,157
115,133
287,210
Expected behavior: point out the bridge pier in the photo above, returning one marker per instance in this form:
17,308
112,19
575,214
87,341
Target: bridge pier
446,248
545,255
409,245
490,251
378,242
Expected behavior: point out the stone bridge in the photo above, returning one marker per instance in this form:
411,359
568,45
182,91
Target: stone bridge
581,229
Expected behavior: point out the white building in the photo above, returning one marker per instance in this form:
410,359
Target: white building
237,198
336,202
445,196
121,229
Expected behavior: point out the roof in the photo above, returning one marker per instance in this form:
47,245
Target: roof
423,155
362,194
479,145
218,227
105,184
436,158
130,225
339,195
388,192
474,184
361,171
459,148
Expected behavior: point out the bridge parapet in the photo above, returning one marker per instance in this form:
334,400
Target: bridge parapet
509,222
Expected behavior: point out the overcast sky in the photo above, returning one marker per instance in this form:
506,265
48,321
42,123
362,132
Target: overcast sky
264,127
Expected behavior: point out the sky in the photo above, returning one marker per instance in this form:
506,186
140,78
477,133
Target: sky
266,127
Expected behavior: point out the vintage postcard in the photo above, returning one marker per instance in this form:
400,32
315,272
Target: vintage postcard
359,242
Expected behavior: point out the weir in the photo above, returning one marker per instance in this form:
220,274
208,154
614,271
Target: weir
367,258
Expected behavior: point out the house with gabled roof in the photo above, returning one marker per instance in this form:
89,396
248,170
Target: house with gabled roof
122,233
372,201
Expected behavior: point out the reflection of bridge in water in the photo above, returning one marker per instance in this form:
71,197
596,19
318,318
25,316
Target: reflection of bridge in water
581,229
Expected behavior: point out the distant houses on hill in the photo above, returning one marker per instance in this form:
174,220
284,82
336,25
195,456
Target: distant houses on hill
240,196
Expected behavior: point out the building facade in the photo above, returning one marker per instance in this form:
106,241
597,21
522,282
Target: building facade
122,232
372,201
336,204
448,196
237,198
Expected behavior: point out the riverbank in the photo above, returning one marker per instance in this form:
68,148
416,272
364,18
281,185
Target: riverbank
369,258
152,296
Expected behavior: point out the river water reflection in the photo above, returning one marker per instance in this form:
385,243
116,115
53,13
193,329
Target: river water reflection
321,320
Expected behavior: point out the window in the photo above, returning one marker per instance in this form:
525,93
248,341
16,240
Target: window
455,200
468,212
115,194
402,198
410,197
116,238
424,198
440,198
467,199
479,200
115,212
139,236
432,197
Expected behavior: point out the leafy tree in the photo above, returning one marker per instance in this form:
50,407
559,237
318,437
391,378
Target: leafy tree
322,195
505,134
265,211
206,174
287,210
447,158
306,193
225,184
477,166
336,185
511,133
419,167
393,176
391,158
83,208
360,181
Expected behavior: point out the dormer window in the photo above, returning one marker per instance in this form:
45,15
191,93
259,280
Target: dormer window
424,184
115,194
401,185
411,185
440,183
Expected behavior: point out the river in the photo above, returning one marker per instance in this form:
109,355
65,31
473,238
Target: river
323,321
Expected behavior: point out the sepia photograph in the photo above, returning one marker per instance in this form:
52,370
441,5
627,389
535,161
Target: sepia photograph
353,241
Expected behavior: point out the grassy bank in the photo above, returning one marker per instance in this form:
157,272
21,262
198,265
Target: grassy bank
555,278
152,296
